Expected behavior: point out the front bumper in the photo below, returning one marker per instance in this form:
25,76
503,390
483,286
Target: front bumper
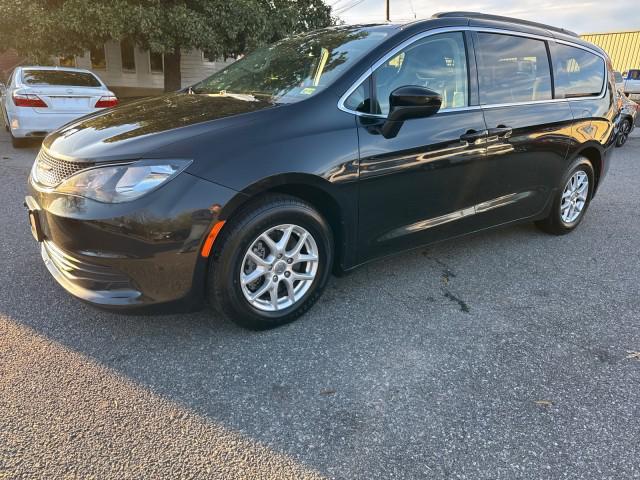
94,283
142,253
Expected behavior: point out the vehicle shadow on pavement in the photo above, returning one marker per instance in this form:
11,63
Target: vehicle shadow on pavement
422,364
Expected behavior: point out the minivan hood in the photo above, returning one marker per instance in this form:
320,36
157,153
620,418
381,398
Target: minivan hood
133,129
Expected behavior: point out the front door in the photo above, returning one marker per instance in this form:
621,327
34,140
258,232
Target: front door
425,184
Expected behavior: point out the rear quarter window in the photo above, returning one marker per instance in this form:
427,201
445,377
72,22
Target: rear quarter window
59,78
578,73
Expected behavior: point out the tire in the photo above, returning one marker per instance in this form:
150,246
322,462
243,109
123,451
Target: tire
19,142
623,134
230,259
559,222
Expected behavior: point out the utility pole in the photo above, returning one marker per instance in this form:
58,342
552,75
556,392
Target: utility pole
387,10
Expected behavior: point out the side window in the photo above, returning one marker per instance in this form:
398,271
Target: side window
577,73
512,69
360,99
438,62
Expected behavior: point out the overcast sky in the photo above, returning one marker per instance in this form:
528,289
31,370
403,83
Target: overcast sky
579,16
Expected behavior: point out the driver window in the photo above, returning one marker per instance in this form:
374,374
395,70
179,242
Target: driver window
438,63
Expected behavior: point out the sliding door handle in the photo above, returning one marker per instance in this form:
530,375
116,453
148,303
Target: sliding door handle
473,135
504,132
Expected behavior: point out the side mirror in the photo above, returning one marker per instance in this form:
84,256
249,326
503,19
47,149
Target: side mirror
409,102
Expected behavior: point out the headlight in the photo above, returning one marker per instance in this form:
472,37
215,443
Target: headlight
122,183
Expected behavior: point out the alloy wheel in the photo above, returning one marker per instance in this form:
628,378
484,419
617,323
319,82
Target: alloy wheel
574,197
279,267
624,133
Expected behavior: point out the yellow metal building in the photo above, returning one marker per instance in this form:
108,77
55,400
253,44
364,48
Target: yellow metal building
622,47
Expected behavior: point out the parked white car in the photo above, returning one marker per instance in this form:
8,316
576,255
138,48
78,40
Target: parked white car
632,84
619,80
38,100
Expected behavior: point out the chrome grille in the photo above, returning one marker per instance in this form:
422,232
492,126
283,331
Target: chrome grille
51,171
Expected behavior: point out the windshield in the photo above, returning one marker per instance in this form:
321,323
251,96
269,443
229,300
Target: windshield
295,68
59,78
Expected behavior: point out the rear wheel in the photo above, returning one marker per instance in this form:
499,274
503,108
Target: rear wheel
571,199
271,264
623,134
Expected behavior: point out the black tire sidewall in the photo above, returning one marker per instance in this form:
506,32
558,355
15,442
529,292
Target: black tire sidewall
619,141
579,164
228,292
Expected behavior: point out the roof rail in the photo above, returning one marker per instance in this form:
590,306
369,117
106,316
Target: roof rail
499,18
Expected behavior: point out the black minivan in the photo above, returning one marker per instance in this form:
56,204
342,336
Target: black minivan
320,153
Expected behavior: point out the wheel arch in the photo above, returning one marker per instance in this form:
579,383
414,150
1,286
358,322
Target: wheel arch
594,153
320,193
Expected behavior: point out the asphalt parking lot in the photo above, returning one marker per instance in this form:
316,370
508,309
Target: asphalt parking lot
504,355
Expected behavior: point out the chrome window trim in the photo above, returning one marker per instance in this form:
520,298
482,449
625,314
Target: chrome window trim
369,71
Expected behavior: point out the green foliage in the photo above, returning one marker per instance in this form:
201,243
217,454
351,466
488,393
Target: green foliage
224,27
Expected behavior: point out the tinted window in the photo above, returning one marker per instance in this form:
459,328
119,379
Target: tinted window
634,75
438,62
59,77
578,73
295,68
512,69
360,99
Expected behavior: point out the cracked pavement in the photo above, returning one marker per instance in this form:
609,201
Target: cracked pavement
503,355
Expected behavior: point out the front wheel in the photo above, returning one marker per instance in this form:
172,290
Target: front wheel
571,199
271,263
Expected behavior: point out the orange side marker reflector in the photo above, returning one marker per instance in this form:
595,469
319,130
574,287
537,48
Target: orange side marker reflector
208,243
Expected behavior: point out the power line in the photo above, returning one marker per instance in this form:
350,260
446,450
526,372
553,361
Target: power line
349,6
346,8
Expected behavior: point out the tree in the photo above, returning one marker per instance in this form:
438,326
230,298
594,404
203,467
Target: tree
40,28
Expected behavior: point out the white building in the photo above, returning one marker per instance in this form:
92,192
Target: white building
132,71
